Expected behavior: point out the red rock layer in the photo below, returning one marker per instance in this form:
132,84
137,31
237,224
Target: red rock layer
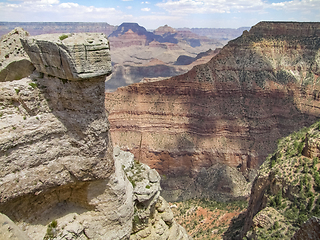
128,39
230,110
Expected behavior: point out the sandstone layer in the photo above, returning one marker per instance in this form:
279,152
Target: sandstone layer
260,87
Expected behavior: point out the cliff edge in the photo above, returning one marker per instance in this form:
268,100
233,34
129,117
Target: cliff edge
60,177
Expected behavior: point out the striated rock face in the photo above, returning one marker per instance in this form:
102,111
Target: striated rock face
14,62
70,56
128,39
260,87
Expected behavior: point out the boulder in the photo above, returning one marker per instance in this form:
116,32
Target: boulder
70,56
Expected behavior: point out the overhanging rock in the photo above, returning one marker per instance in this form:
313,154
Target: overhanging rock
70,56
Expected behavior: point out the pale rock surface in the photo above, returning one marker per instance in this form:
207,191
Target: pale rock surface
14,62
9,230
77,56
153,218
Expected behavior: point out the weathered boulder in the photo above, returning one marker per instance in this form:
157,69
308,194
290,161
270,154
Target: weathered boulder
14,62
70,56
153,218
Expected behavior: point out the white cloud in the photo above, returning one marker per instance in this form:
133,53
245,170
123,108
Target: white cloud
145,3
295,5
53,10
129,7
145,9
185,7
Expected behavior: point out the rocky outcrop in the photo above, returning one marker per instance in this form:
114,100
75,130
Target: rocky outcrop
285,194
14,62
60,177
56,158
70,56
153,218
259,88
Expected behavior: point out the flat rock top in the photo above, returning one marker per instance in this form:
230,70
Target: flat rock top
74,38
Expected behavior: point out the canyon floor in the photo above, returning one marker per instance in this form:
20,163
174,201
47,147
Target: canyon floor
206,219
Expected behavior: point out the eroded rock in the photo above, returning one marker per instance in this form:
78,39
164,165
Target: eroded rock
14,62
70,56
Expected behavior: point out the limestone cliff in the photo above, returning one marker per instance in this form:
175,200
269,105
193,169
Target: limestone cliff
260,87
60,178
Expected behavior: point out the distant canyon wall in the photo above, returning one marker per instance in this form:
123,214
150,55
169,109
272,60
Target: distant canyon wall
260,87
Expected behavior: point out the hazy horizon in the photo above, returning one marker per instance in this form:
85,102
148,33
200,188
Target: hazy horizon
154,13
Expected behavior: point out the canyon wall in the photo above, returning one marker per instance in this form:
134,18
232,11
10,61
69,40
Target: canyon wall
231,111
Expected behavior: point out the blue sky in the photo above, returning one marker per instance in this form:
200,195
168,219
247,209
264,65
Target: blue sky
154,13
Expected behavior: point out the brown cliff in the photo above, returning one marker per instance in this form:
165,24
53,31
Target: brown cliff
260,87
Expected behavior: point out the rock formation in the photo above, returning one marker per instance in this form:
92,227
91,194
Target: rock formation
14,62
260,87
70,56
60,178
286,192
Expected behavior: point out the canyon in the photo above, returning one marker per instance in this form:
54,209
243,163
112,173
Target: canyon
224,117
61,177
138,53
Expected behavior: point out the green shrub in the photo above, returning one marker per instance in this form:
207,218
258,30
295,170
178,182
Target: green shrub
302,218
33,85
63,36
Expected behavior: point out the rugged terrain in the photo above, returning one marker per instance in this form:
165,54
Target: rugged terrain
138,53
205,218
286,193
229,112
61,178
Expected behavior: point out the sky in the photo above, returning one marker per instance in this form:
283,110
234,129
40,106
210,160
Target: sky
154,13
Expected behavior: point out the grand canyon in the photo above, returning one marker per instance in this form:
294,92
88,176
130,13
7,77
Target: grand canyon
228,112
97,137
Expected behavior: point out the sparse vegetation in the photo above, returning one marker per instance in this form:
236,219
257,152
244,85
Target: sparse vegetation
206,218
51,230
294,168
33,85
63,36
